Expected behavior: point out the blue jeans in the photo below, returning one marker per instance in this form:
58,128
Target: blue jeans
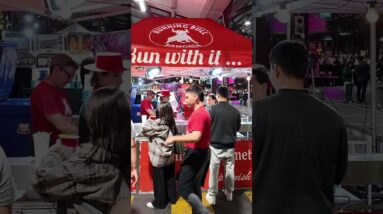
348,91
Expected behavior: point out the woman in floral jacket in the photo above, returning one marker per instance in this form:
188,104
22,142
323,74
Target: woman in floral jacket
162,156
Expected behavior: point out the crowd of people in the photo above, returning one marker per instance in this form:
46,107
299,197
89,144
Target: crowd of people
299,143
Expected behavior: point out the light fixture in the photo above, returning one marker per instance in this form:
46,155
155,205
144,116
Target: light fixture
65,12
247,23
248,78
29,32
216,71
152,72
220,77
283,15
141,3
372,15
28,18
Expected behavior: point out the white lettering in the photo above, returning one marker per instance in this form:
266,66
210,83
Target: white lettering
243,155
145,57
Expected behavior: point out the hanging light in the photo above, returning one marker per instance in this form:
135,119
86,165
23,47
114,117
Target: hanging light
141,4
283,15
372,15
247,23
248,78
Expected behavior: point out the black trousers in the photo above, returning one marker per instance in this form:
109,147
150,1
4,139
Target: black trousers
361,87
164,183
191,172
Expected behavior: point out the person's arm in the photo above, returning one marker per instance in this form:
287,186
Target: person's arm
193,137
6,209
7,191
133,162
51,110
342,163
239,121
151,112
62,124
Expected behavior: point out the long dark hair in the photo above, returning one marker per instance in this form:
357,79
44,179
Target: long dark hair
108,117
166,114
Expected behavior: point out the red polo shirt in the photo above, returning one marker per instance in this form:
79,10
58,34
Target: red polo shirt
48,100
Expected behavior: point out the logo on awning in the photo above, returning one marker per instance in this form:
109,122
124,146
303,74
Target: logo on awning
181,35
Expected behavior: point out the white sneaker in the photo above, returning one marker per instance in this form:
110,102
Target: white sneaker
210,199
150,205
229,195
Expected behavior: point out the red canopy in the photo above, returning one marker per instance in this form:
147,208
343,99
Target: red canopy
187,42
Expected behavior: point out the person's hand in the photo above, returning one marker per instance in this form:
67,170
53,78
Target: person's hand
64,151
133,177
169,140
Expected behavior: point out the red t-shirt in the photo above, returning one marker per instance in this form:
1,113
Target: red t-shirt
47,100
145,105
200,121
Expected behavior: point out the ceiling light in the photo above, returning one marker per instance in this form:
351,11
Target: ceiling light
372,15
283,15
28,18
247,23
29,32
141,3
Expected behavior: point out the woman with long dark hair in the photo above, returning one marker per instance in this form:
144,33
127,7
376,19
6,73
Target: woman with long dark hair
97,176
162,156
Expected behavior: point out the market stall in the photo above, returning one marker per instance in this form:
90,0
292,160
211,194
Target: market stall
198,50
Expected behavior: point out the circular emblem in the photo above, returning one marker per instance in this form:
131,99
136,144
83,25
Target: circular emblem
181,35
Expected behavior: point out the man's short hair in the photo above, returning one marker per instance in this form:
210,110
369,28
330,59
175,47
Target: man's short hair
223,91
260,74
63,61
150,92
292,57
196,90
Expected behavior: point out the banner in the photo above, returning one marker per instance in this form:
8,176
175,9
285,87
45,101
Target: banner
179,42
242,167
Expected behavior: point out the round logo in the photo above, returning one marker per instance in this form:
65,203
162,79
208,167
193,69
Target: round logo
180,35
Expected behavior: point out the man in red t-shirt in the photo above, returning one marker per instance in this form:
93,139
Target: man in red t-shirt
196,154
147,105
50,108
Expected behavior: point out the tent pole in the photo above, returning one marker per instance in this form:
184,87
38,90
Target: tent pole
373,83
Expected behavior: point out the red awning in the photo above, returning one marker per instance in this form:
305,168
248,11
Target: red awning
187,42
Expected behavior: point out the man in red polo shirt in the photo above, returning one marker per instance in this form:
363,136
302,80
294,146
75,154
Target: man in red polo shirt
196,154
147,105
50,108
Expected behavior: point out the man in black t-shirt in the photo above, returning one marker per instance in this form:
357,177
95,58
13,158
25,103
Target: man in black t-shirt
300,143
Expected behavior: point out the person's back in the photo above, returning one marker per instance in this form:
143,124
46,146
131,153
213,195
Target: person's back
362,72
305,151
300,143
226,121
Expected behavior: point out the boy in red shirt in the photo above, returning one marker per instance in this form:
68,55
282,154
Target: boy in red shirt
196,153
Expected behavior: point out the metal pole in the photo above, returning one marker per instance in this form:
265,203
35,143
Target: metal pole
369,191
373,82
289,28
254,29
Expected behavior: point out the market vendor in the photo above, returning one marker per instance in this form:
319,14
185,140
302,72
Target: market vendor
147,105
50,109
107,72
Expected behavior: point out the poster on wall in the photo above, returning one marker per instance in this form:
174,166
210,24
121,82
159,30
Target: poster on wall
79,43
113,42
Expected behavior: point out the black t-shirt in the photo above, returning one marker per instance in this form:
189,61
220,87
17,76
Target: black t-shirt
225,122
300,152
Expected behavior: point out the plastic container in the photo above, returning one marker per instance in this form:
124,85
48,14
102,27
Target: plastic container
8,60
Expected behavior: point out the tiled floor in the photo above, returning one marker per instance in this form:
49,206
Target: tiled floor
241,204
